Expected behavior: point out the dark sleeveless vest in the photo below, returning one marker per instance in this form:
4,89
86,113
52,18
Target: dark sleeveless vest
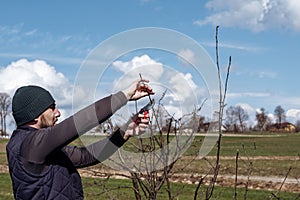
58,180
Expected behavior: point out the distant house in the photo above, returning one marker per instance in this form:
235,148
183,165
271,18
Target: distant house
211,127
285,127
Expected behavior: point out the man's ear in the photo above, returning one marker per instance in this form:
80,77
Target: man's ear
34,123
37,120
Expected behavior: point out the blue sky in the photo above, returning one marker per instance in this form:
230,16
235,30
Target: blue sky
46,43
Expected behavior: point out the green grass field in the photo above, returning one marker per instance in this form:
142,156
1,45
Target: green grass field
263,150
120,189
270,156
256,145
252,145
96,188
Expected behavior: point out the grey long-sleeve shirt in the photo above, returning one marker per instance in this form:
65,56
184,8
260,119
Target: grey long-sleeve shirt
42,143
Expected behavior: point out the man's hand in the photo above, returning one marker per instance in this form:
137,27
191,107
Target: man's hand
135,128
138,90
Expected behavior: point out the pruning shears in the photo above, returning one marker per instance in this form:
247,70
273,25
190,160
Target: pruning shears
144,111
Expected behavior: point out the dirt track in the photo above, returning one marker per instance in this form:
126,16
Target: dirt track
256,182
257,157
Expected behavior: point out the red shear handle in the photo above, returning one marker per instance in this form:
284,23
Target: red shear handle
137,120
145,114
144,111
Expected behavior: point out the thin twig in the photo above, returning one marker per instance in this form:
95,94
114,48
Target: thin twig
250,166
227,77
198,187
200,182
218,65
279,189
236,174
222,97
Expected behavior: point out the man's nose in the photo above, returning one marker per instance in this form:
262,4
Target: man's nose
56,112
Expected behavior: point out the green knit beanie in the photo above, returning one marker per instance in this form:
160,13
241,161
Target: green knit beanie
29,102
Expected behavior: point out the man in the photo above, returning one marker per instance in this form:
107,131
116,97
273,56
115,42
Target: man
41,164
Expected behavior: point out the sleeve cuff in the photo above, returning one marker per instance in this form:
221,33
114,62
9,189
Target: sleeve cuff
117,138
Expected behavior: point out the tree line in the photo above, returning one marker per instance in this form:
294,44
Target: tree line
5,110
235,120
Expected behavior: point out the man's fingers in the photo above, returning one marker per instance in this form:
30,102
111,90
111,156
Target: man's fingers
143,126
143,87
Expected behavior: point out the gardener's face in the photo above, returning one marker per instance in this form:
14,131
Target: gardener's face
49,117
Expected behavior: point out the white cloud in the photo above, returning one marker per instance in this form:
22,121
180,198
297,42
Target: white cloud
31,33
136,62
248,94
181,87
247,107
250,111
18,38
186,55
10,30
293,115
257,15
185,92
290,101
235,46
267,74
37,72
144,65
271,117
261,73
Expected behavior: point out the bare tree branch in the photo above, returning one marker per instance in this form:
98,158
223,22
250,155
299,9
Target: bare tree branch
210,189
